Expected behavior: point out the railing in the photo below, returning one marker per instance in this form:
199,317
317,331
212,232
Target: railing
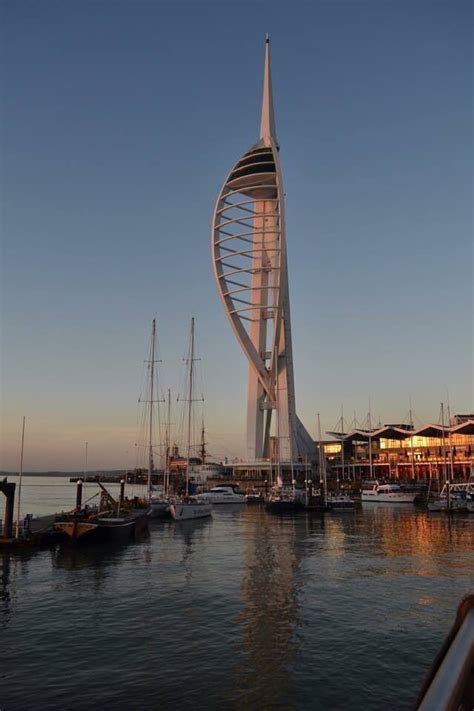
450,683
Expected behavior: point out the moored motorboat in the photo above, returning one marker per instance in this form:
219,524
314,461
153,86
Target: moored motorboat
255,497
387,494
339,501
283,500
225,494
442,505
454,498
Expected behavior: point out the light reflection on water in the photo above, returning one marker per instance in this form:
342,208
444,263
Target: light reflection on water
245,610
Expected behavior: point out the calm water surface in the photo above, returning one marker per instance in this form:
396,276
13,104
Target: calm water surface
244,611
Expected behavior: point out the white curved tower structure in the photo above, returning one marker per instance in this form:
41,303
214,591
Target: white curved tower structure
250,267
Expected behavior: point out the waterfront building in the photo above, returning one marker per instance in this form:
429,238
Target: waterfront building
402,452
250,266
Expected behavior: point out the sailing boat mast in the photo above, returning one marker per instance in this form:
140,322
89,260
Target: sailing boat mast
451,459
445,467
203,443
411,443
190,399
167,445
322,464
342,446
150,437
17,531
371,469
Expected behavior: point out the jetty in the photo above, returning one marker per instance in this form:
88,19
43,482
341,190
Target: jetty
33,531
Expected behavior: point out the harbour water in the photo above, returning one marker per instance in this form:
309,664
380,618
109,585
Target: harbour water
245,611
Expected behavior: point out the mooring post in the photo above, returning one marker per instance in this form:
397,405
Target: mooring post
122,491
9,490
79,495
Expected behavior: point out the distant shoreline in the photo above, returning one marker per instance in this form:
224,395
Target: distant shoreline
90,474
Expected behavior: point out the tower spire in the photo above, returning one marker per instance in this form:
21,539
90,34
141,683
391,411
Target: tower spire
267,121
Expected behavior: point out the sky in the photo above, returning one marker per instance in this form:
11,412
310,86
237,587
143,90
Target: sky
121,120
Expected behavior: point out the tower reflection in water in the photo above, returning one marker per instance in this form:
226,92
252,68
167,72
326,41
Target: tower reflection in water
270,596
315,594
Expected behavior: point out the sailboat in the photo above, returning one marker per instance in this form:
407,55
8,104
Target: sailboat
338,500
188,507
158,505
449,501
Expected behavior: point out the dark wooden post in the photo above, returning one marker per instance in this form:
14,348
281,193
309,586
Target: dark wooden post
79,495
9,491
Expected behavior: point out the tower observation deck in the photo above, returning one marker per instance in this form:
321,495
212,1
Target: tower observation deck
250,268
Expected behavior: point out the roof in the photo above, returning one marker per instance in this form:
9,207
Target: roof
402,432
466,428
385,432
431,431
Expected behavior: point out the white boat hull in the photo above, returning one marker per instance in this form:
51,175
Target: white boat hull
455,505
399,497
223,498
185,511
340,503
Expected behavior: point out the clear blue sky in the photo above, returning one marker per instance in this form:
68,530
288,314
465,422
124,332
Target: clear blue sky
121,121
